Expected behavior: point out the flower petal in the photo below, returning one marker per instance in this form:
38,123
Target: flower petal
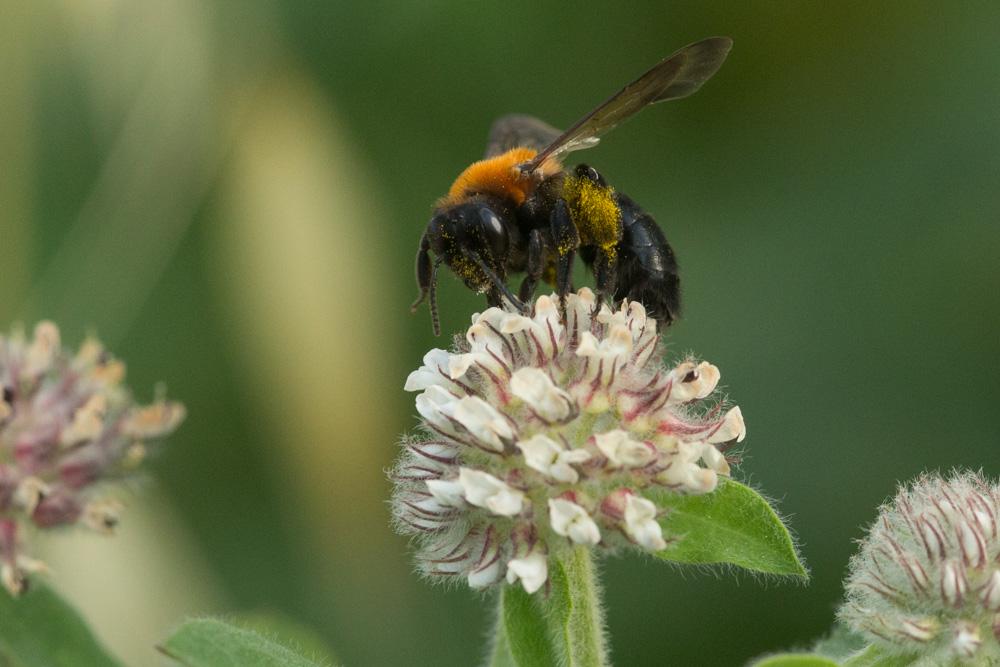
532,570
535,387
570,520
484,490
483,421
641,525
435,363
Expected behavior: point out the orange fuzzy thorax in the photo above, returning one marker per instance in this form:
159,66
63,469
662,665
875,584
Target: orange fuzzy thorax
497,176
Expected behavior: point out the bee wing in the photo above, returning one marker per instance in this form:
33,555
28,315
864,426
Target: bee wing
674,77
517,131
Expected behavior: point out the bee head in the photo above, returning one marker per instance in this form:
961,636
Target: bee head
468,235
591,174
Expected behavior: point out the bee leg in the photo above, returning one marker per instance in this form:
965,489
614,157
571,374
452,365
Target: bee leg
605,276
566,240
498,283
537,247
424,272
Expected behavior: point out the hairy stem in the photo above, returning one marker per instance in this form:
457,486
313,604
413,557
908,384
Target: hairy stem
560,625
573,610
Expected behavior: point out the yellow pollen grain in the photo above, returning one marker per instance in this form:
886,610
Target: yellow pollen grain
594,212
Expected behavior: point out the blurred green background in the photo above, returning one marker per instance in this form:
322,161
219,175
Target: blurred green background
231,195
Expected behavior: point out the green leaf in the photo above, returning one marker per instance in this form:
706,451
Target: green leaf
876,656
500,655
561,626
522,637
39,629
733,524
795,660
841,643
286,630
209,642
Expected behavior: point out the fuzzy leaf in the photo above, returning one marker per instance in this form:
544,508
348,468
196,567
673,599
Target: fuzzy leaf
841,643
561,626
500,656
795,660
288,631
39,628
733,524
208,642
875,656
522,638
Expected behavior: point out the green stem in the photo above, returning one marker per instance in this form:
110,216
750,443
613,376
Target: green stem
573,610
562,624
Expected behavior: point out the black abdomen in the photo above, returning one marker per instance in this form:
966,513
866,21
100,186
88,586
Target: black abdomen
646,266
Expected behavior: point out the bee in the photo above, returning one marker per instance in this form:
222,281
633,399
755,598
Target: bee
519,211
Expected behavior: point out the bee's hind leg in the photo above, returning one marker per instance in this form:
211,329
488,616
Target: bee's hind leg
605,277
566,240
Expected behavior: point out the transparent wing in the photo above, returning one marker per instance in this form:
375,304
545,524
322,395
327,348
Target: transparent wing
677,76
519,130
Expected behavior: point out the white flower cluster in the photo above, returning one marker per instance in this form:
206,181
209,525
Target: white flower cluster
926,581
542,432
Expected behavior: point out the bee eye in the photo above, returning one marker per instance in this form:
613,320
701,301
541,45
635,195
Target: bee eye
588,172
490,220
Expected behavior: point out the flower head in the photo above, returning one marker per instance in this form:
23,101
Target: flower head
541,432
927,578
66,425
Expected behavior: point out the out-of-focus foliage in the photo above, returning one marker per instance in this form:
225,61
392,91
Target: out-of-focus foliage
231,194
39,628
209,642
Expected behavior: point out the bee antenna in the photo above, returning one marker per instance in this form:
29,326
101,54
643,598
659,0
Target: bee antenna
433,303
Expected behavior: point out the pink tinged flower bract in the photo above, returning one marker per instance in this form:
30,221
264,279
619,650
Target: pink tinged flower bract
67,425
540,434
927,578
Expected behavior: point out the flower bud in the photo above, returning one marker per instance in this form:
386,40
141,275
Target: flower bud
926,581
71,425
